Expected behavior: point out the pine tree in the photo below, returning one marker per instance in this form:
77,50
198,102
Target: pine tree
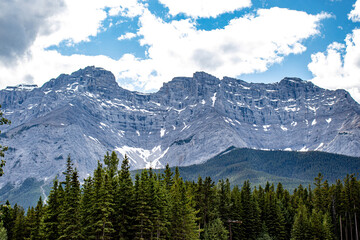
249,214
160,204
108,208
224,196
110,187
51,214
30,221
70,227
143,224
301,228
86,209
215,230
183,216
168,177
206,201
124,202
236,213
6,217
3,232
327,226
2,148
37,220
111,163
273,217
318,193
19,224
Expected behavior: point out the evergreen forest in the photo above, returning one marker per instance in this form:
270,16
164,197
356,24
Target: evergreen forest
161,205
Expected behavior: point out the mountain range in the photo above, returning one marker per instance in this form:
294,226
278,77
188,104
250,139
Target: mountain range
188,121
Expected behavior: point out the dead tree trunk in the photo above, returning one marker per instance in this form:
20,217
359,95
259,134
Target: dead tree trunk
356,225
341,234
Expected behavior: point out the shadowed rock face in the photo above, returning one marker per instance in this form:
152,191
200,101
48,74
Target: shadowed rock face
189,120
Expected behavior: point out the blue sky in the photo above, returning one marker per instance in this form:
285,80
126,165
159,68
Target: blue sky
148,42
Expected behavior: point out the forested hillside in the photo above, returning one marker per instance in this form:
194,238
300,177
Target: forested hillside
291,168
110,205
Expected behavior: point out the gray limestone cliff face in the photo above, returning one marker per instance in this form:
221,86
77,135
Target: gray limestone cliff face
189,120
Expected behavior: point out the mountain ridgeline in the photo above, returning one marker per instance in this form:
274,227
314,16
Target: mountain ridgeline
188,121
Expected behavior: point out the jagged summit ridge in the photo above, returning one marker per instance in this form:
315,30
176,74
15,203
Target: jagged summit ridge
189,120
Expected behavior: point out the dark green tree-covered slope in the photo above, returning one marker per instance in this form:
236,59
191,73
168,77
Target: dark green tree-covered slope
259,166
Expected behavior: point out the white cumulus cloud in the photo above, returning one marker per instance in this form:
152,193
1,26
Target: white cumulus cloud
204,8
128,35
354,15
339,66
246,45
83,19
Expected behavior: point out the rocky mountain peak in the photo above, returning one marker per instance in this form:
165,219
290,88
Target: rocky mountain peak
296,82
205,78
92,79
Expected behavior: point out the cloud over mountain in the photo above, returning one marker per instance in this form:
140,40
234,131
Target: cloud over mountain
21,22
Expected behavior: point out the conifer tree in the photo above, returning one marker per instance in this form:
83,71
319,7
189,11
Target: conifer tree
2,148
6,217
143,224
249,214
3,232
224,196
183,216
111,163
168,177
236,213
273,217
318,193
35,233
328,227
160,204
86,209
30,221
124,202
19,223
101,211
51,213
301,228
70,227
110,187
215,230
206,201
107,209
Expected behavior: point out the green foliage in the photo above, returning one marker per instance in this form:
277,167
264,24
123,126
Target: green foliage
51,213
124,204
70,208
163,206
216,230
182,215
301,226
3,233
2,148
289,168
